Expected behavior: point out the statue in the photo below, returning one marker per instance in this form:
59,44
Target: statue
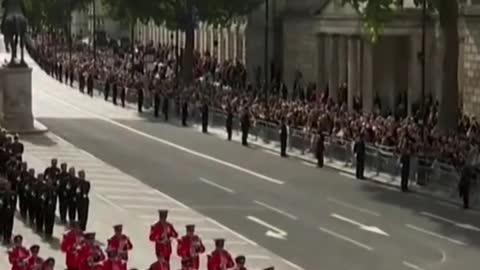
14,29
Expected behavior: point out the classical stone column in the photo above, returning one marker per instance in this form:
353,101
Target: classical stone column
342,59
367,95
226,43
322,73
352,71
414,76
333,67
235,41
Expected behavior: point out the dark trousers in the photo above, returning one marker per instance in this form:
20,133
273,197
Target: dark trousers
7,225
72,210
22,201
82,212
360,168
156,109
244,137
165,115
466,199
40,219
122,98
229,133
184,119
204,125
63,208
140,105
320,159
49,222
404,179
31,210
114,97
283,147
107,93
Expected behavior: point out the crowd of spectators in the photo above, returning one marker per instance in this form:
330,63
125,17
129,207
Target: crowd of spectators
304,107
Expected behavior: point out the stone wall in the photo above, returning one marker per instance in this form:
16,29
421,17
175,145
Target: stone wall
470,66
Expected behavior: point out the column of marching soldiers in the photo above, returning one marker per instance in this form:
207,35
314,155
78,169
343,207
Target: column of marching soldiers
37,197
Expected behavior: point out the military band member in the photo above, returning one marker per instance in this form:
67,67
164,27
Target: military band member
114,262
50,207
219,259
161,234
34,261
18,254
120,243
240,263
63,193
52,171
190,246
71,245
71,186
160,264
82,191
8,213
91,253
49,264
13,172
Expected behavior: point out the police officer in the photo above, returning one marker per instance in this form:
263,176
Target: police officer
49,208
405,171
72,76
40,202
229,122
90,85
82,191
140,99
62,192
185,112
156,103
8,213
81,81
245,125
114,91
204,111
464,187
320,149
165,109
106,90
22,193
52,171
60,71
359,150
123,95
71,185
283,138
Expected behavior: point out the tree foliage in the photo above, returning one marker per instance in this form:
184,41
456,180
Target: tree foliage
378,12
52,13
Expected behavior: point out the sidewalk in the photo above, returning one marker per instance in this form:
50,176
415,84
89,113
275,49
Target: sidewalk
115,200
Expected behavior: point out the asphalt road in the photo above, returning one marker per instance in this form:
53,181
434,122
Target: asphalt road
317,218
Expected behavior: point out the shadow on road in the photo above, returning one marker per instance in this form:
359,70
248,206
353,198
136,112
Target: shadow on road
39,139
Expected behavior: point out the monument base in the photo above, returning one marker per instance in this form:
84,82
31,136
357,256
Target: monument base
16,100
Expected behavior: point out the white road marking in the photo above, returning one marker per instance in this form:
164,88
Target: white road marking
124,190
453,222
136,198
152,207
258,257
213,184
351,206
251,242
458,242
270,152
364,227
114,183
273,231
347,175
292,264
345,238
308,164
281,212
171,144
411,265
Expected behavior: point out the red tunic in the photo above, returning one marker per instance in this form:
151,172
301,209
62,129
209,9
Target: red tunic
161,234
90,256
191,247
18,258
159,266
220,260
70,246
121,244
114,265
34,263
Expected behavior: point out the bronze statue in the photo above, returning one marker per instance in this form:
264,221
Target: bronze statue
14,29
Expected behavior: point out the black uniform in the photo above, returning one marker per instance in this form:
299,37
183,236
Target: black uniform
114,93
63,193
283,139
81,82
23,193
165,107
8,213
51,173
3,160
72,76
13,173
49,209
90,85
81,193
184,113
31,188
60,72
40,202
17,150
123,96
359,150
106,90
405,171
229,123
464,188
71,186
205,118
156,104
140,99
2,210
320,149
245,128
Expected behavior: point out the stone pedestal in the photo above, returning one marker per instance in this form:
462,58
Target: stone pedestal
16,99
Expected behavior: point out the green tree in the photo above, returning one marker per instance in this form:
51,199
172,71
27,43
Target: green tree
378,12
185,14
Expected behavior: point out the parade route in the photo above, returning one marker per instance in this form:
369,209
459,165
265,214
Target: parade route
275,211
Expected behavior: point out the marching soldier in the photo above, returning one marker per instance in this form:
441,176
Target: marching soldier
229,122
52,171
190,247
83,202
71,186
161,234
120,243
219,259
13,172
283,138
63,178
405,171
91,253
3,198
17,148
49,264
156,103
320,149
106,90
114,91
40,202
205,117
464,187
140,99
359,150
18,254
123,95
22,193
32,188
245,125
185,112
8,213
165,109
90,84
50,207
71,245
240,263
34,261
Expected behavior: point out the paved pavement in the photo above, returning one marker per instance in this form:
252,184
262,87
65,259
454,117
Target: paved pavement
317,219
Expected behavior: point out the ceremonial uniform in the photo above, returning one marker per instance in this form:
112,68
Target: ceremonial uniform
114,262
120,243
52,172
49,210
82,191
49,264
34,261
32,189
240,263
18,255
71,187
40,203
219,259
24,186
71,246
190,247
63,178
161,233
8,214
17,148
90,255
